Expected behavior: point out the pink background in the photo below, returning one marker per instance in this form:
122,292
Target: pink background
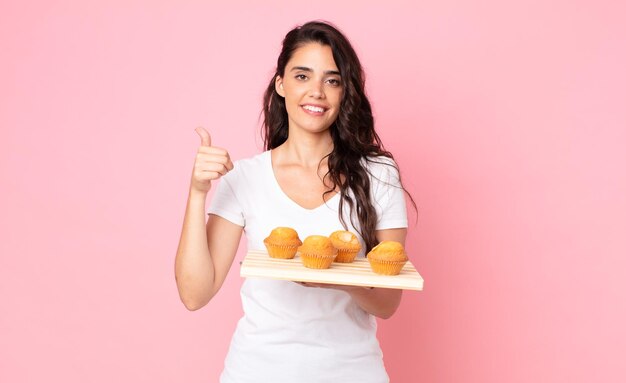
508,122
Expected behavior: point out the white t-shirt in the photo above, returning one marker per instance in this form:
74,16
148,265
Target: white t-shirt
292,333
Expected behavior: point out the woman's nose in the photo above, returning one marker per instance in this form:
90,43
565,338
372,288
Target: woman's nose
317,89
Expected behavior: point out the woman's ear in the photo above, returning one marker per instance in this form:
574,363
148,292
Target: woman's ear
278,85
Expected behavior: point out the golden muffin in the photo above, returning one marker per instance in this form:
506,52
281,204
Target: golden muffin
387,258
317,252
347,245
282,243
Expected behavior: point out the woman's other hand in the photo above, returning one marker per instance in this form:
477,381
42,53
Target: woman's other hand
211,163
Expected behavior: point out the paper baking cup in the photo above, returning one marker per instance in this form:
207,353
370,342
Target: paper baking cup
346,256
316,261
281,251
386,267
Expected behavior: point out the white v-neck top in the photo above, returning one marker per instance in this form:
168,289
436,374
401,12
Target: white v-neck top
291,333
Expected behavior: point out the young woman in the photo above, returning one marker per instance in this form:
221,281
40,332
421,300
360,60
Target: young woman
324,169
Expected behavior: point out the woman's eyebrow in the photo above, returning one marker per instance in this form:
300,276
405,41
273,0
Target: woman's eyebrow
305,69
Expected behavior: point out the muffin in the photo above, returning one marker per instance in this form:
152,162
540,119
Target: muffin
317,252
347,245
387,258
282,243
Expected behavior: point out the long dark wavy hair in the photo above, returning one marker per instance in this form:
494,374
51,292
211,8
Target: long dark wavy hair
353,134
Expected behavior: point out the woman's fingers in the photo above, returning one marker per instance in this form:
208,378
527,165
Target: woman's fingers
213,167
215,154
212,158
211,162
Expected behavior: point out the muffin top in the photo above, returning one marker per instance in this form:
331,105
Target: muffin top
388,251
317,244
284,236
345,240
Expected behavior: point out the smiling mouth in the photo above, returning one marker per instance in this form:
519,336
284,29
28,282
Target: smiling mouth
314,109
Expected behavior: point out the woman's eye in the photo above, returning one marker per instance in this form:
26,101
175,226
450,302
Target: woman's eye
301,77
334,82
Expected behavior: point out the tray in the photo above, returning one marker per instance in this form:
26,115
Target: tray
258,264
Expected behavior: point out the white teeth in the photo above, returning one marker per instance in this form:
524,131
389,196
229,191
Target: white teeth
313,108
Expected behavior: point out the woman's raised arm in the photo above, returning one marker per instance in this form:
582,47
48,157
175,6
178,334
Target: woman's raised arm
206,249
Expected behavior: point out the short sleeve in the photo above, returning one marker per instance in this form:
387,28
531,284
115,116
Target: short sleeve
388,195
225,203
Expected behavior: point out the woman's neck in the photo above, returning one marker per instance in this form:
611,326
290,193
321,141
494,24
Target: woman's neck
306,150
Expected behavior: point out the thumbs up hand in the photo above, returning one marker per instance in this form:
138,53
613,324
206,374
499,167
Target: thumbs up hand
211,163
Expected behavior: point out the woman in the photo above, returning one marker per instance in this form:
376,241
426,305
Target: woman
323,170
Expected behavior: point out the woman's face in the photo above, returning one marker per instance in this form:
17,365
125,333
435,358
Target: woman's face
312,88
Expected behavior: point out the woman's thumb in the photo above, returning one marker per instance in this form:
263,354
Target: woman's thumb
204,136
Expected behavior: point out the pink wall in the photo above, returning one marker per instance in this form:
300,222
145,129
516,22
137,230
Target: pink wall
508,121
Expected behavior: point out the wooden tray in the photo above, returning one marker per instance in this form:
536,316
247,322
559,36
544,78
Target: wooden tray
358,273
